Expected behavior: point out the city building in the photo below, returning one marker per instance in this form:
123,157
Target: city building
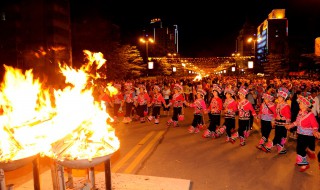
243,46
166,38
35,31
272,36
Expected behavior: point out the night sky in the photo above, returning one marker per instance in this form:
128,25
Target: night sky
206,28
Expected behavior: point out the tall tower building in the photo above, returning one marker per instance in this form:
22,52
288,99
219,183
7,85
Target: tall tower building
165,38
242,46
272,35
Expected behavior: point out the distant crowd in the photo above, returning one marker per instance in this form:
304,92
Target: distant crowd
290,106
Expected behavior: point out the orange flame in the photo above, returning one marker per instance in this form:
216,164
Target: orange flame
31,125
197,78
112,90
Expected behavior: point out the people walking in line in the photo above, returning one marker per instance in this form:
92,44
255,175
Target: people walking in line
200,108
317,135
230,107
307,129
267,113
251,97
177,104
294,113
105,97
141,102
156,103
186,91
283,117
166,93
117,101
316,106
244,107
129,96
214,108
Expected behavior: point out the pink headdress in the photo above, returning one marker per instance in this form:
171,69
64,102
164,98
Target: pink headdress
202,92
283,92
306,100
215,87
267,96
178,87
243,91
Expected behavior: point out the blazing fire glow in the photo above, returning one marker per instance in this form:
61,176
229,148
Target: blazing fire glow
72,127
23,104
197,78
112,90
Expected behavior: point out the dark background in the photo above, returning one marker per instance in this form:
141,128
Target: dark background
206,28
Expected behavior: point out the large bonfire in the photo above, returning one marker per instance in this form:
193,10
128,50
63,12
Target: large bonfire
65,123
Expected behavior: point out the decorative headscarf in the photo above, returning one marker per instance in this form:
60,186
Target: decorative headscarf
201,92
215,87
283,92
306,99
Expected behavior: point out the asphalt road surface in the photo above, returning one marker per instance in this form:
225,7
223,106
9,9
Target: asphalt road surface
211,164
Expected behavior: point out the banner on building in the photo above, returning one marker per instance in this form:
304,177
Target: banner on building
299,73
317,47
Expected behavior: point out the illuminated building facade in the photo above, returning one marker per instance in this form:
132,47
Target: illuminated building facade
166,38
242,45
272,35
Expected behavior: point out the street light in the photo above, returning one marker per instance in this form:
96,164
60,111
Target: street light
172,55
250,64
183,63
253,40
147,41
174,69
235,55
150,65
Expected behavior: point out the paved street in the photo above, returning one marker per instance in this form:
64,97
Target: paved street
155,150
215,164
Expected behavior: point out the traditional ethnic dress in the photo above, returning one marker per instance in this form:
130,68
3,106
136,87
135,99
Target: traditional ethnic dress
157,102
244,107
215,109
306,124
199,107
283,117
176,101
267,114
231,107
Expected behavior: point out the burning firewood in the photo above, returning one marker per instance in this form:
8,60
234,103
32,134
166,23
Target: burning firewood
73,129
13,141
78,145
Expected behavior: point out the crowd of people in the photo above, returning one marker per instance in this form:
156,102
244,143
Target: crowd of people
289,106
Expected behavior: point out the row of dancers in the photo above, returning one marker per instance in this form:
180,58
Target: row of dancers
274,113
